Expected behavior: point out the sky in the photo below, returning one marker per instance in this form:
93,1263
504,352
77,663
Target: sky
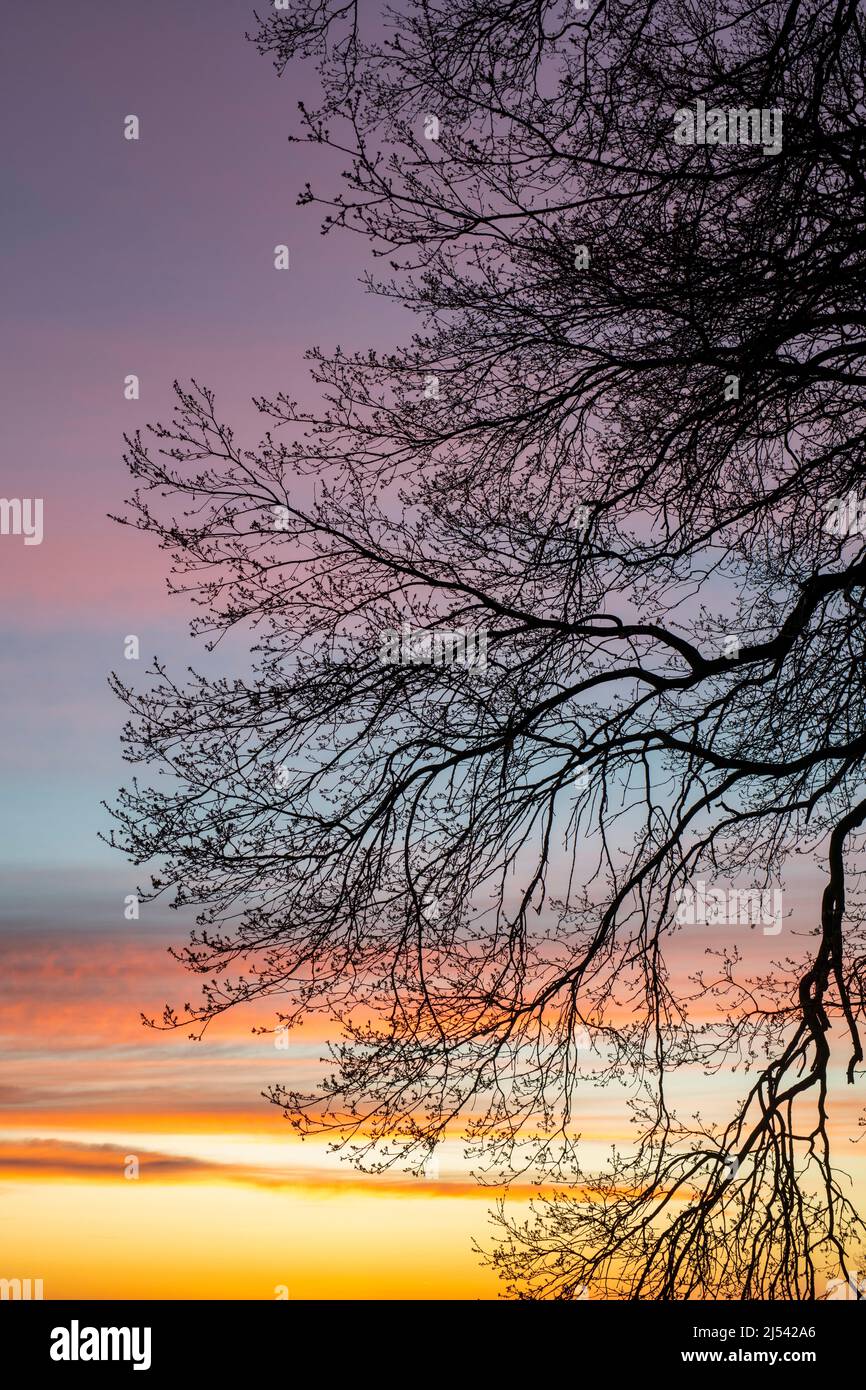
152,257
155,257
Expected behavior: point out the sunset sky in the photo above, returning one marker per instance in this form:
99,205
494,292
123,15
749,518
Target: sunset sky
156,258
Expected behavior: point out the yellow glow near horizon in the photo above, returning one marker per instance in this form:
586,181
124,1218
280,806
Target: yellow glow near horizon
217,1240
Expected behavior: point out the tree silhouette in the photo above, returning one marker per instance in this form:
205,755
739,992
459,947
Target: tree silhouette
625,444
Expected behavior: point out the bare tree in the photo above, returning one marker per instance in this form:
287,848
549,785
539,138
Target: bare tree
617,449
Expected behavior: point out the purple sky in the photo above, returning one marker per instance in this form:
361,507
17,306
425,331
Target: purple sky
153,257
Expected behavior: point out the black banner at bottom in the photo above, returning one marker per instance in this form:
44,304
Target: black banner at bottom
156,1339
